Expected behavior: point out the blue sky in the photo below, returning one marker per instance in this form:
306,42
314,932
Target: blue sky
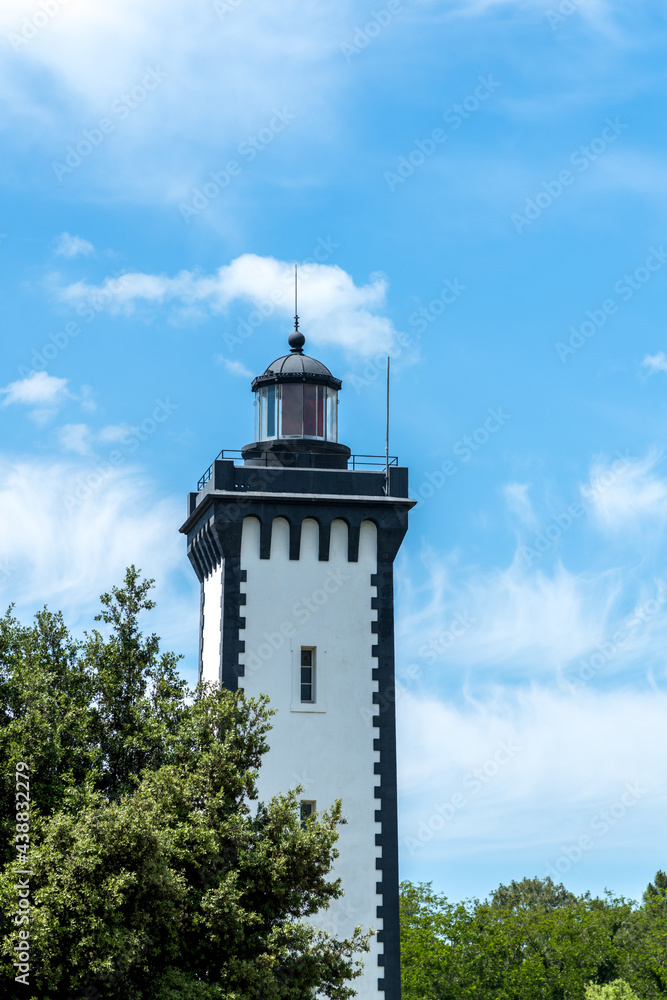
477,189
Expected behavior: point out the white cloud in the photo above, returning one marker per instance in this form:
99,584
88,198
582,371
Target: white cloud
46,393
81,439
38,389
514,622
85,398
635,171
465,627
277,55
236,367
625,493
564,758
655,362
518,501
113,433
597,13
563,740
70,539
528,698
76,438
334,309
73,246
92,53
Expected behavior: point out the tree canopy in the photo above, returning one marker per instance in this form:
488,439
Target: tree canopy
156,872
618,990
534,940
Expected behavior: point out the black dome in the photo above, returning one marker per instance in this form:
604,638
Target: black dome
296,367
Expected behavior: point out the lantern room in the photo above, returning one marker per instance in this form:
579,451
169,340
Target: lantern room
296,397
296,412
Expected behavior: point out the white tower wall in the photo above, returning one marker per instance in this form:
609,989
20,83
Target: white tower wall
301,559
326,746
211,630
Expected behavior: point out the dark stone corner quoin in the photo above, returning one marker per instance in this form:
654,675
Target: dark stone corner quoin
299,477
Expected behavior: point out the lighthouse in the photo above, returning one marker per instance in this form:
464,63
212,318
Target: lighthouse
293,543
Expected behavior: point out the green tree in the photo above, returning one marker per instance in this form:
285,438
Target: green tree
657,890
532,940
644,940
156,872
618,990
427,959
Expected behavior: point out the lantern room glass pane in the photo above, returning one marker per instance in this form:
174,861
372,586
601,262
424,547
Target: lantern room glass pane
313,411
310,410
271,411
296,410
292,410
265,414
332,415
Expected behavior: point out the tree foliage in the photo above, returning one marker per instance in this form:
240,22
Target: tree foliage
618,990
534,940
156,872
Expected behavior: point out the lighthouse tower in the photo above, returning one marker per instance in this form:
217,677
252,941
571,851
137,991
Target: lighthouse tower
294,545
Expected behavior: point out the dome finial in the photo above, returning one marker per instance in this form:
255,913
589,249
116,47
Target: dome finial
296,340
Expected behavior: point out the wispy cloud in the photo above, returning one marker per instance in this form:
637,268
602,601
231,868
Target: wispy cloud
46,393
637,496
539,618
633,171
66,553
92,54
518,501
525,622
337,310
597,13
235,367
38,389
529,702
73,246
76,438
561,758
655,362
113,433
81,439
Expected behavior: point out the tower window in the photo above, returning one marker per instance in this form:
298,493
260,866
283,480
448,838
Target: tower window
306,809
307,674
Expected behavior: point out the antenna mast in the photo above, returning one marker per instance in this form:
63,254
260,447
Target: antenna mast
386,443
296,312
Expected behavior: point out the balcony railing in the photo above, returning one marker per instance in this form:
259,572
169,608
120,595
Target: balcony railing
355,462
